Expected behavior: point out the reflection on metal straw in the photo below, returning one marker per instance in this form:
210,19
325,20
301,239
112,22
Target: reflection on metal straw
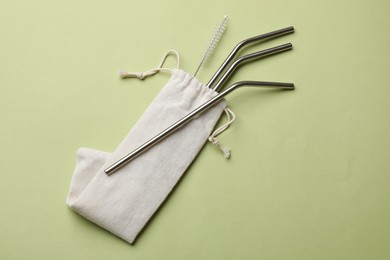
114,167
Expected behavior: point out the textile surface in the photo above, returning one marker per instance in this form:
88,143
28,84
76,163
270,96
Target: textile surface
124,202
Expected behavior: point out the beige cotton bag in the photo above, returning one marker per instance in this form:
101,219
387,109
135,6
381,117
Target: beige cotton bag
125,201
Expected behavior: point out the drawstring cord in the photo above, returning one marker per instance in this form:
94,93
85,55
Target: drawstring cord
143,75
229,113
226,150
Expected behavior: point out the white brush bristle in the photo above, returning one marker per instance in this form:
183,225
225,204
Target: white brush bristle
220,29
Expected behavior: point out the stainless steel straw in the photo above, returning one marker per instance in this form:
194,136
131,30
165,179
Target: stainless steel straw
246,42
168,131
248,58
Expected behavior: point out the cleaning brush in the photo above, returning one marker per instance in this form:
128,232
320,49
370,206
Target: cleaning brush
213,42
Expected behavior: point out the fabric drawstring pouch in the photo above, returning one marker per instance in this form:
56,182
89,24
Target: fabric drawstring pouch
123,203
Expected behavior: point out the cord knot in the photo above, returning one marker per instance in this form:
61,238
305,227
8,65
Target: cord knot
142,75
224,149
139,75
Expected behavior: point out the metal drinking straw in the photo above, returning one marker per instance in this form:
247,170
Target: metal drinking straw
244,43
250,57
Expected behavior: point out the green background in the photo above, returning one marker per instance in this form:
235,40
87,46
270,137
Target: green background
309,173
